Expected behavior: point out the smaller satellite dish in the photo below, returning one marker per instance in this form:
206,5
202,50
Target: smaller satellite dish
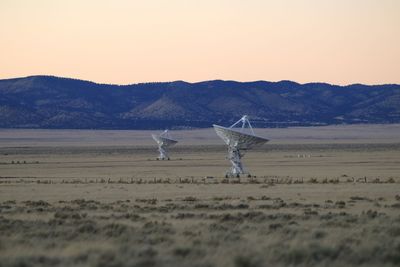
164,141
238,140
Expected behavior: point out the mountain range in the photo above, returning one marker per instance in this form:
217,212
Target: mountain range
54,102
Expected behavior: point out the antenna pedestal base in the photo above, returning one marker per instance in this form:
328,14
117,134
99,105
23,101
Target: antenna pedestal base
235,156
163,154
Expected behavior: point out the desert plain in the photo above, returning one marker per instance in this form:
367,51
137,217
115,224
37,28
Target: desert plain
319,196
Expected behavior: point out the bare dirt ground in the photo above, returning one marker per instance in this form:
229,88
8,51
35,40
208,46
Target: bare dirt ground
324,196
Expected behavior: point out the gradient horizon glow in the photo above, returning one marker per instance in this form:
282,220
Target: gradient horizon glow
122,42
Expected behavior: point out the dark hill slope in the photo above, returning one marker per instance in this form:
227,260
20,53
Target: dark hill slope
52,102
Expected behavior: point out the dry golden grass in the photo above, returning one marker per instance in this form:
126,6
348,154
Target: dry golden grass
305,225
333,203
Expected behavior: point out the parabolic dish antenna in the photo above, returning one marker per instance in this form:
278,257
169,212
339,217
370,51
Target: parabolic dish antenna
239,140
164,141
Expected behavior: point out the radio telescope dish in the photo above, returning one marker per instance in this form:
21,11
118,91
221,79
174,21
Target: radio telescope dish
238,140
164,141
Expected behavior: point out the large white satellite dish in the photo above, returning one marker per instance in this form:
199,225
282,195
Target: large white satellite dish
238,140
164,141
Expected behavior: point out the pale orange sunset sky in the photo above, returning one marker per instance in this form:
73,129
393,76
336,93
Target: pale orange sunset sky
121,41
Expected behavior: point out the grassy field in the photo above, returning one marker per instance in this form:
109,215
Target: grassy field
324,196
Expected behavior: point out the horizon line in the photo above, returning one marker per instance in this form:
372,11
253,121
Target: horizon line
192,82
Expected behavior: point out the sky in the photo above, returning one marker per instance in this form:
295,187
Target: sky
130,41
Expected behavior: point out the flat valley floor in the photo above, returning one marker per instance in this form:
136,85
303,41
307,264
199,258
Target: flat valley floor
319,196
